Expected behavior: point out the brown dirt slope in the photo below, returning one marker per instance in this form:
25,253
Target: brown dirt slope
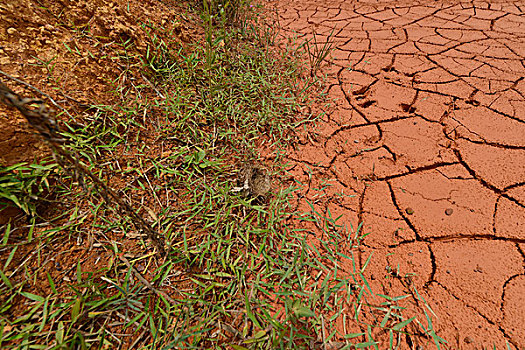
72,51
77,52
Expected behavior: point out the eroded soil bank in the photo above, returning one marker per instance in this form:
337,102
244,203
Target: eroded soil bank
427,136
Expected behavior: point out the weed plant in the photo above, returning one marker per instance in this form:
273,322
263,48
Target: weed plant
24,184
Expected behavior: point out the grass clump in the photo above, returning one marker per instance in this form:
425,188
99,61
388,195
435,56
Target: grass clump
23,184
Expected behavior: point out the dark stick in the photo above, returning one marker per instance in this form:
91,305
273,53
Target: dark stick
43,122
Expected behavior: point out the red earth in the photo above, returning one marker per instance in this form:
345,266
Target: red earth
427,133
426,138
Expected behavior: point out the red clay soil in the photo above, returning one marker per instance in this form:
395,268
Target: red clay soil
428,134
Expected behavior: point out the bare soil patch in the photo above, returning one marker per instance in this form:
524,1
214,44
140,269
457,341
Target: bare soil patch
427,134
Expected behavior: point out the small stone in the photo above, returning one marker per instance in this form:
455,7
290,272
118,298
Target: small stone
409,211
356,141
449,211
468,340
11,31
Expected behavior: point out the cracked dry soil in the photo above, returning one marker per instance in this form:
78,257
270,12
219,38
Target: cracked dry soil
428,135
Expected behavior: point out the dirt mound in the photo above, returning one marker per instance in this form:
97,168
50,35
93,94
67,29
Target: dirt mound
67,49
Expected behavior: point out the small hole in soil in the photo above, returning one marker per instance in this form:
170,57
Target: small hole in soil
407,108
367,104
360,91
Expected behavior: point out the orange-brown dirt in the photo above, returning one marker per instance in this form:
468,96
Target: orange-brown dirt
428,135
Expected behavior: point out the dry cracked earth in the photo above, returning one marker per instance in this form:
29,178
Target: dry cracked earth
425,148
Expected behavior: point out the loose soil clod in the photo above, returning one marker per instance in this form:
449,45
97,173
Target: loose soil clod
254,180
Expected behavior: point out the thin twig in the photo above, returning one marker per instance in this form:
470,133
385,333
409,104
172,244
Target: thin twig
144,281
152,86
39,91
323,332
41,120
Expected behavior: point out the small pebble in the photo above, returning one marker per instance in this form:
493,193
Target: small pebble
409,211
468,340
11,31
356,141
449,211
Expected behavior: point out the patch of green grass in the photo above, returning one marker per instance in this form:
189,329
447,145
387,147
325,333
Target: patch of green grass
23,184
317,52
